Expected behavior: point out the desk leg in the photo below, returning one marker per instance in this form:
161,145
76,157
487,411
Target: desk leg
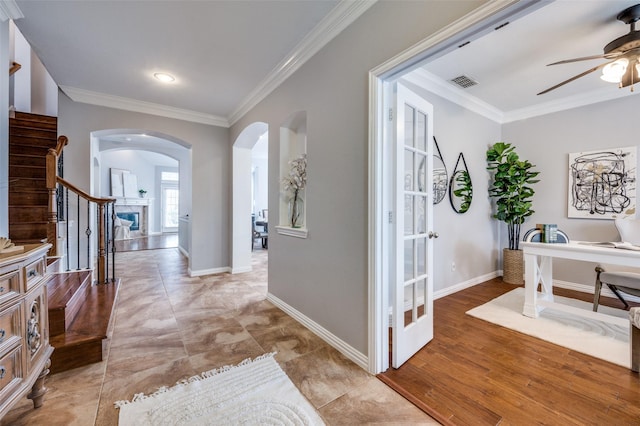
537,273
531,280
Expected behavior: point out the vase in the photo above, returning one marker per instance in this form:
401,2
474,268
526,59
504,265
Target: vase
296,211
512,266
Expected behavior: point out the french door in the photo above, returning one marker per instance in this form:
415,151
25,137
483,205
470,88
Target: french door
412,272
170,207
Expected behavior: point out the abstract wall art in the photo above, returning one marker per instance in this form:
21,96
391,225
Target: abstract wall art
602,184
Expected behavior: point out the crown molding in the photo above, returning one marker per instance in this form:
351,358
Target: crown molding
575,101
330,26
9,10
446,90
110,101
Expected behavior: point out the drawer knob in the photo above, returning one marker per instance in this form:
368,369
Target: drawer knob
2,289
3,372
2,334
32,273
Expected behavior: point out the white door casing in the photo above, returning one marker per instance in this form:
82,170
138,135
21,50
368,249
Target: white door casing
412,255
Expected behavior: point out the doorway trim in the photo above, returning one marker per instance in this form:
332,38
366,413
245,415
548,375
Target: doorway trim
475,24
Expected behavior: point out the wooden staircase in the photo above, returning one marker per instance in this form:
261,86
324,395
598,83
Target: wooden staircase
30,138
80,311
79,318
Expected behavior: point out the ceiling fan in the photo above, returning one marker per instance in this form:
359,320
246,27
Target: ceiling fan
623,53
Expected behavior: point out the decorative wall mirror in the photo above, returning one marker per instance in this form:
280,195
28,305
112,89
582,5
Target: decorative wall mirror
440,176
460,187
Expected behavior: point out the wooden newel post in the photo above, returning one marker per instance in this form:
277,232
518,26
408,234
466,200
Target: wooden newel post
52,216
102,248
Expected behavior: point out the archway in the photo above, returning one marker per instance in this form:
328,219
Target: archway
242,195
149,142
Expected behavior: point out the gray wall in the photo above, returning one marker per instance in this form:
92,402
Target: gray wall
325,275
210,172
546,141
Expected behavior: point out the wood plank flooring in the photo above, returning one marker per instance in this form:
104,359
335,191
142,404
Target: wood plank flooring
477,373
151,242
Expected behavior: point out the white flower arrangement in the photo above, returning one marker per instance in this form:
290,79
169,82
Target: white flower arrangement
293,183
296,180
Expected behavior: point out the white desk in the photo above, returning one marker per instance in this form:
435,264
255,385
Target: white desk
538,258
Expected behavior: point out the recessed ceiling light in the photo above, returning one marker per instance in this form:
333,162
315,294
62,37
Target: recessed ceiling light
164,77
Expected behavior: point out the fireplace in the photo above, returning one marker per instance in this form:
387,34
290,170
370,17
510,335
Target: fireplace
131,217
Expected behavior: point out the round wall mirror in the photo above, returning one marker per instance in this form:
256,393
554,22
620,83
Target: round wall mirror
440,175
460,188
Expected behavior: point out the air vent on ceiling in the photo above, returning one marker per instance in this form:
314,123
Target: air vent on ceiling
464,81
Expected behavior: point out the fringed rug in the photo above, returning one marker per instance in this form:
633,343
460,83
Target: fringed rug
592,337
252,392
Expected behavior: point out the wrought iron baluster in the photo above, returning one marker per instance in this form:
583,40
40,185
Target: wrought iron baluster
78,232
68,253
113,241
88,234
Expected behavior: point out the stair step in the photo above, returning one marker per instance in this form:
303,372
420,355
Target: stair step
21,214
82,344
27,160
34,124
27,172
28,231
29,198
32,132
18,149
48,119
26,184
66,293
31,141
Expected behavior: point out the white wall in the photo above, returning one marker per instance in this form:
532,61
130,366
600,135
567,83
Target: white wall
325,276
546,141
210,151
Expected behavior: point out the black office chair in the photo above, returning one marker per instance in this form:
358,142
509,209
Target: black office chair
256,234
619,279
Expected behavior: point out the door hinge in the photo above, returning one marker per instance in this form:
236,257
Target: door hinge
390,114
390,217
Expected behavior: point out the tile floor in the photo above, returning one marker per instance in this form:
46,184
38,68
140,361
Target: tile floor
169,326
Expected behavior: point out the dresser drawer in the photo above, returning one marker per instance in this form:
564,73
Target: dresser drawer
11,373
34,272
10,325
10,280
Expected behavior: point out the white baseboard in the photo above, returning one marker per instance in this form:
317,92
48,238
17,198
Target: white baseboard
340,345
211,271
241,270
184,252
587,288
465,284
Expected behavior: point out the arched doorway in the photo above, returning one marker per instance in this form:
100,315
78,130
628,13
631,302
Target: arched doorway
243,194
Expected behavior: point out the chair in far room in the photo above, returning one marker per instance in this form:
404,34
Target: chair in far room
259,234
122,229
620,280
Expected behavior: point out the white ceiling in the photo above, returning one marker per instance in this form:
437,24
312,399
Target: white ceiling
510,64
221,52
226,53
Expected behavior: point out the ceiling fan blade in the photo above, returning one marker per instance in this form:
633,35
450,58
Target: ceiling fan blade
575,77
586,58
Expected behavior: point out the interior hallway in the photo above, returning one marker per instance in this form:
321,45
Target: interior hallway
169,326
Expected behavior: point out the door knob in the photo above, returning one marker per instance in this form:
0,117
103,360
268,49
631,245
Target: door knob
433,234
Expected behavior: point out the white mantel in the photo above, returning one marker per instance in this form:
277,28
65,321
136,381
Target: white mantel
141,205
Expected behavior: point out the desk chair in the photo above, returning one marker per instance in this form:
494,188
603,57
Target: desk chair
618,279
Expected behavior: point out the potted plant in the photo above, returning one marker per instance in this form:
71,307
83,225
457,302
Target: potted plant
511,187
143,193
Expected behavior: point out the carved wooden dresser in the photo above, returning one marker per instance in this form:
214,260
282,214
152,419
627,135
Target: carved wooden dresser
24,327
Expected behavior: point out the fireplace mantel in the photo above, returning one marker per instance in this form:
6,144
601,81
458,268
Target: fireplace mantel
140,205
133,201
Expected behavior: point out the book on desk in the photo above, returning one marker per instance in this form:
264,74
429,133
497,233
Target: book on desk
613,244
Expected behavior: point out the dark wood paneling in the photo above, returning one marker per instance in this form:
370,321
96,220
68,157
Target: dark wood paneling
32,214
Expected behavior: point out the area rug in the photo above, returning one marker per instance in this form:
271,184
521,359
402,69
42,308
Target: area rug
252,392
592,337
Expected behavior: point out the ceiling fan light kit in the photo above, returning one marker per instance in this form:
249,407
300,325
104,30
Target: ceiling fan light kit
623,54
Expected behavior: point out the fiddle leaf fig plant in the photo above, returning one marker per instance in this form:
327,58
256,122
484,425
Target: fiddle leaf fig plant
511,186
